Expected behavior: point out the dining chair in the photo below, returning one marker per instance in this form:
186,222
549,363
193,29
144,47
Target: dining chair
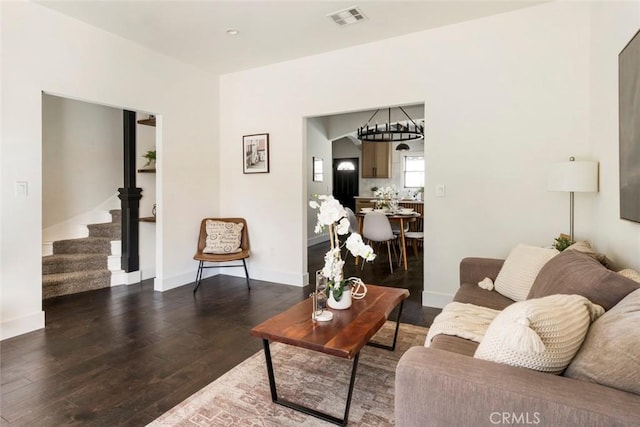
222,253
353,221
414,237
377,228
396,227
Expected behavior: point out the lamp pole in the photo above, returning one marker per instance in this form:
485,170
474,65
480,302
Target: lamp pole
571,159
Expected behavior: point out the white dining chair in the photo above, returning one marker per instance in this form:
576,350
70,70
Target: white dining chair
353,221
414,237
377,228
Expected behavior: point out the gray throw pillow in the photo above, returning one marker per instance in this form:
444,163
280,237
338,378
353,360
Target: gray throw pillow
573,272
610,353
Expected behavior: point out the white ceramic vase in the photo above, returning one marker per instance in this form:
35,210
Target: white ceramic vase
344,303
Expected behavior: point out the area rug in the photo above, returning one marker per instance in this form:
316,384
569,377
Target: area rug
241,397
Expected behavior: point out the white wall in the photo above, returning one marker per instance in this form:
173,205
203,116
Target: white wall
45,51
613,25
320,147
81,157
505,97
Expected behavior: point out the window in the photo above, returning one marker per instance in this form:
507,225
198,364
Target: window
413,171
346,166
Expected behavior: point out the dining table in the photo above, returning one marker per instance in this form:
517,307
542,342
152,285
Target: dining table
402,219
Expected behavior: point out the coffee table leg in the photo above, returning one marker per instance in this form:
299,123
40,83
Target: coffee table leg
391,347
272,378
304,409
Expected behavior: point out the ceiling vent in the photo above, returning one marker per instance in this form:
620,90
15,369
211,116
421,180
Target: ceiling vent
347,16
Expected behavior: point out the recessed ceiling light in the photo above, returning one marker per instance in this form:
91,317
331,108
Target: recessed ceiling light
347,16
233,32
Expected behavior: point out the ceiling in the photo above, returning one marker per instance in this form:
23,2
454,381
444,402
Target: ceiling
269,31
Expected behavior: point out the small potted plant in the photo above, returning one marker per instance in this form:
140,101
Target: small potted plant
151,159
562,242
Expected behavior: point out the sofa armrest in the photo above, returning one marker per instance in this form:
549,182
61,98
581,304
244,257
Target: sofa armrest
441,388
473,270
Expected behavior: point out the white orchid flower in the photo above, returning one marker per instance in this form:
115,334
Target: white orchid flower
356,246
331,212
343,226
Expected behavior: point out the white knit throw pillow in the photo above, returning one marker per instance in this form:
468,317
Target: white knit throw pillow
520,270
542,334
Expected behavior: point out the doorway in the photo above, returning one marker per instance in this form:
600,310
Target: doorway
346,174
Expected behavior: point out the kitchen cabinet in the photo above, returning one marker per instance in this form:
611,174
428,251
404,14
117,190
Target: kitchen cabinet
376,159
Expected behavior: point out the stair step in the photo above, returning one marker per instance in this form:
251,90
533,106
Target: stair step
85,245
67,263
54,285
107,229
116,216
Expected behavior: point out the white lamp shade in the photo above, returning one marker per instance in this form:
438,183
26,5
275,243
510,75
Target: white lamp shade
574,176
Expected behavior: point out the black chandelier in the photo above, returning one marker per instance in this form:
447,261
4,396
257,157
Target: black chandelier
391,132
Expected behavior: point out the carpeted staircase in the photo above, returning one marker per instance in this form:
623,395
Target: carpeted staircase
79,265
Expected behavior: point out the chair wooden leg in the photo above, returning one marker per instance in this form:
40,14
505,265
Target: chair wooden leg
198,276
415,248
389,252
246,273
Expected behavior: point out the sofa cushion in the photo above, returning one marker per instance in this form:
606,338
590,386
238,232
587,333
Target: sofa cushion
610,354
472,294
454,344
520,270
541,334
223,237
573,272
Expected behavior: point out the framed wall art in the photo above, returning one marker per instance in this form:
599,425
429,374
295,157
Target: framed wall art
255,151
629,110
318,167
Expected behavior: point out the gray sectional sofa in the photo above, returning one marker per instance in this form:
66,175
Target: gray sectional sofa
444,385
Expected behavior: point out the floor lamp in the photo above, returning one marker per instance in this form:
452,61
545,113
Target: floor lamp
573,176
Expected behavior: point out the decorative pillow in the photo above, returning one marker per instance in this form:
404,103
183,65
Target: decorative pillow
573,272
585,247
630,274
610,354
541,334
223,237
520,270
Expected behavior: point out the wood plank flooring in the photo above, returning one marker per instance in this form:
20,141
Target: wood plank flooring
124,355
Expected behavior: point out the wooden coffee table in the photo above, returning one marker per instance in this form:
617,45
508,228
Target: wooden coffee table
344,336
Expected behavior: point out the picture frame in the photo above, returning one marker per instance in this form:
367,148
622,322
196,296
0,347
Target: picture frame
318,169
629,129
255,153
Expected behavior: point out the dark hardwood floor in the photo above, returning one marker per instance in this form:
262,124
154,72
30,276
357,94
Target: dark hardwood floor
124,355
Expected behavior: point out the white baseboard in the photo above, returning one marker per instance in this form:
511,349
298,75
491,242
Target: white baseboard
118,277
284,277
173,282
116,247
435,299
148,273
22,325
121,277
47,248
114,262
